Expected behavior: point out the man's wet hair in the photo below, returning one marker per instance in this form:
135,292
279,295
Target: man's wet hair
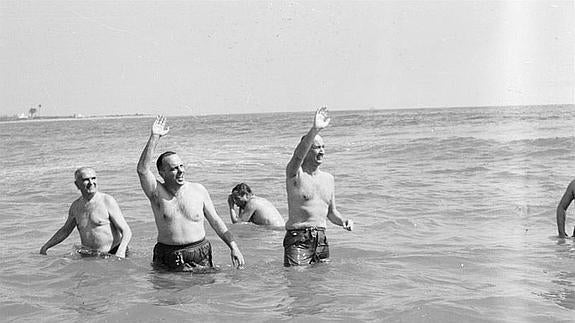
242,189
160,161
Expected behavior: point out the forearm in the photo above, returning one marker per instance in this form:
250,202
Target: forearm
227,237
336,218
306,142
146,157
561,221
58,237
123,247
234,216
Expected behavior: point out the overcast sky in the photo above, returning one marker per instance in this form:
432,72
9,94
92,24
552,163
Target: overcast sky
189,57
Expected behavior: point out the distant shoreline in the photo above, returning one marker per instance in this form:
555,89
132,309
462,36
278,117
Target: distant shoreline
14,119
66,118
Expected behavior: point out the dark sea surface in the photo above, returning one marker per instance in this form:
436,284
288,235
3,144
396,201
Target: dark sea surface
454,213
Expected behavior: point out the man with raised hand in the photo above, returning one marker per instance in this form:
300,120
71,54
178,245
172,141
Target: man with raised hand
311,199
98,218
180,208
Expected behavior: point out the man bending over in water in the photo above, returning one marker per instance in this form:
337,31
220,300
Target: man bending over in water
568,196
97,217
311,198
180,208
252,208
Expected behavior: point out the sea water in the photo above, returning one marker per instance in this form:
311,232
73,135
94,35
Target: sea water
454,213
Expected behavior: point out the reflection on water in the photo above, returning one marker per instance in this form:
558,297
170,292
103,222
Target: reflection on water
177,288
307,290
562,292
178,281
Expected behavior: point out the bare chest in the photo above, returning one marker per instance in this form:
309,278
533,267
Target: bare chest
180,207
309,188
91,216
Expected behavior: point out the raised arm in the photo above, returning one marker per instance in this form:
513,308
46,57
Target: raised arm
120,223
222,230
147,178
321,120
61,234
335,217
568,196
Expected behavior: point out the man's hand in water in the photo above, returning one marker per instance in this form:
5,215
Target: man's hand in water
159,127
321,119
348,225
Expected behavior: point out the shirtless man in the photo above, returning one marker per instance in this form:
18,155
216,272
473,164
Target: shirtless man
311,198
568,196
180,208
97,217
252,208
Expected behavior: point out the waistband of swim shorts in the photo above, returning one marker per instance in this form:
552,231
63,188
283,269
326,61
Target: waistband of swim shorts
193,244
307,229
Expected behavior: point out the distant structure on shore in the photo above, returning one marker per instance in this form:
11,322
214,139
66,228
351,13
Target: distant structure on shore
33,111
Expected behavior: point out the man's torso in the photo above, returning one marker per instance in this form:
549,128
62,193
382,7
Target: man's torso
308,199
180,217
96,230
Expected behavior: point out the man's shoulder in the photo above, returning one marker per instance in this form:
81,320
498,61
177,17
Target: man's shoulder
108,199
257,201
105,195
325,176
196,188
76,203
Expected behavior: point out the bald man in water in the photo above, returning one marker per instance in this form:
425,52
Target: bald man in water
311,199
567,198
97,217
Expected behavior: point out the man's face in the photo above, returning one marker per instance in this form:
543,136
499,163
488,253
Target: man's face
86,181
316,151
173,170
240,200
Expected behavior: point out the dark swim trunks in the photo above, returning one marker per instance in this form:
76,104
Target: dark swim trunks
305,246
196,254
115,249
86,252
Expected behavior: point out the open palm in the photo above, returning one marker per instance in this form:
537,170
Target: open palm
321,119
159,127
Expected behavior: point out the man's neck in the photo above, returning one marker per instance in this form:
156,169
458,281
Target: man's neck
311,169
88,197
174,188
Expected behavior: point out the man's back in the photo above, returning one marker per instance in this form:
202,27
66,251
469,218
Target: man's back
265,212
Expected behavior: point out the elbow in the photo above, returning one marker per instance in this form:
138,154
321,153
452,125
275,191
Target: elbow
141,170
